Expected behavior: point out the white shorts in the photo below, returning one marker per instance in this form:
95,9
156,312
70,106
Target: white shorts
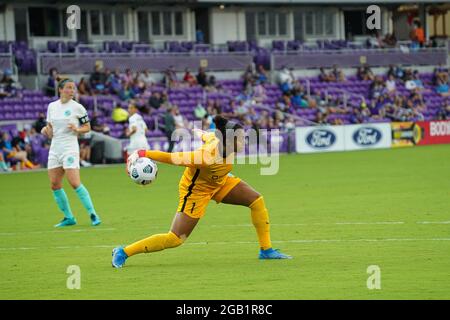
69,160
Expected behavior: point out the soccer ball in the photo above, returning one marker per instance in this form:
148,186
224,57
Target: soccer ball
143,171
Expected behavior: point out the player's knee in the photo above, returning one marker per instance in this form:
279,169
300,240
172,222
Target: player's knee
253,197
55,185
174,241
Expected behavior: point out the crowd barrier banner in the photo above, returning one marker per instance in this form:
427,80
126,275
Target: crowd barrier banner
434,132
319,139
367,136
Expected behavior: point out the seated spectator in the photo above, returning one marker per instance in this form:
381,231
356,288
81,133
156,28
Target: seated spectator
97,80
365,73
97,126
83,88
297,100
189,79
127,76
390,40
180,121
417,81
249,74
40,123
14,152
286,80
212,86
391,84
119,115
259,92
50,88
200,111
126,93
202,78
442,88
8,87
147,78
85,149
337,74
376,88
171,78
113,83
263,75
155,101
325,77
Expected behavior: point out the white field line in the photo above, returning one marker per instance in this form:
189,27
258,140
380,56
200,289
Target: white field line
229,226
244,242
56,231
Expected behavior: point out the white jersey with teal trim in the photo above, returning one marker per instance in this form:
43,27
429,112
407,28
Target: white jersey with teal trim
60,115
138,140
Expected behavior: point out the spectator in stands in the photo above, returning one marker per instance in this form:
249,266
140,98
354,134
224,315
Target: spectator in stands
337,74
376,88
169,126
127,76
50,88
188,78
113,83
442,88
8,87
98,80
444,111
83,88
259,92
40,122
391,84
286,80
171,78
85,149
365,73
417,35
249,74
263,75
417,81
13,151
126,93
199,36
297,100
390,40
97,126
212,86
202,78
180,121
200,111
155,101
147,78
325,77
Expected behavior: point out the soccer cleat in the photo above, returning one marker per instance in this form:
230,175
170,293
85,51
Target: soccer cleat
66,222
118,257
95,220
272,254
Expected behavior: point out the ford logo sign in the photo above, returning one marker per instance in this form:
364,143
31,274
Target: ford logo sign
321,139
367,136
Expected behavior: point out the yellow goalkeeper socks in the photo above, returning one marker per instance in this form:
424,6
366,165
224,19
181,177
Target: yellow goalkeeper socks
260,219
156,242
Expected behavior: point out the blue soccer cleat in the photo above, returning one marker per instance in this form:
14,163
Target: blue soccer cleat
272,254
95,220
66,222
118,257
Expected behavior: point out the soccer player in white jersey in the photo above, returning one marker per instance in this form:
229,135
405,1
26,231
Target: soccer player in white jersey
136,130
66,119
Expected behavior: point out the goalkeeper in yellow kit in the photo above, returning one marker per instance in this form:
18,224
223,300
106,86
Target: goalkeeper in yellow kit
207,176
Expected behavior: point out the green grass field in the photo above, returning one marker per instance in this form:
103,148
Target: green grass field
335,213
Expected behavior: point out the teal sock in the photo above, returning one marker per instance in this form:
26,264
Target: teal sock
3,165
85,199
63,202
